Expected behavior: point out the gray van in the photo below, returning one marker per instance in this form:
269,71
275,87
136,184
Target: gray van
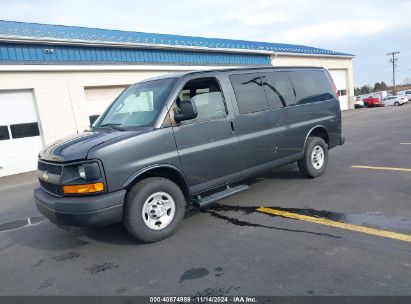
188,139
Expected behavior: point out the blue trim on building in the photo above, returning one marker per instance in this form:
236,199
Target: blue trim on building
60,32
60,54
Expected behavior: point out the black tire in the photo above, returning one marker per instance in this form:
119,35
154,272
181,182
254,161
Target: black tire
396,104
305,165
133,207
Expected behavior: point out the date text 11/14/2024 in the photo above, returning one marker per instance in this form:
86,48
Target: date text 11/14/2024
204,299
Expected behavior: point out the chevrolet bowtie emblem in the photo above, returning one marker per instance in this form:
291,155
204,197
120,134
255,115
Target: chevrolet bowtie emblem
45,175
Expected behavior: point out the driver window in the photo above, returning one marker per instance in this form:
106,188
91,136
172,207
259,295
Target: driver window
207,96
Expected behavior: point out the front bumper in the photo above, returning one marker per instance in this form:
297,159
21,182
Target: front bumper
82,211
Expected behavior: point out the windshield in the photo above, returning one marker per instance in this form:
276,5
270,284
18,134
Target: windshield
138,105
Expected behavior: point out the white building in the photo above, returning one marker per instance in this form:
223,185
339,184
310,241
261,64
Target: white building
53,78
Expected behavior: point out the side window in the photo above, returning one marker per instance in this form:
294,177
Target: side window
311,86
207,96
278,89
249,92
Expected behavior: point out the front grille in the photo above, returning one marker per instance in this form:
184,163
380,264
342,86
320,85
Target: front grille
52,188
50,168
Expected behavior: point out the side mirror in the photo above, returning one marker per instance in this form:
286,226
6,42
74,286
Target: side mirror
188,110
93,118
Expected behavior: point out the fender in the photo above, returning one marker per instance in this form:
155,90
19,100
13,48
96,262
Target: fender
178,171
314,128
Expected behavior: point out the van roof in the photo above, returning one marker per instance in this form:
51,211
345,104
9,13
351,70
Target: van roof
237,69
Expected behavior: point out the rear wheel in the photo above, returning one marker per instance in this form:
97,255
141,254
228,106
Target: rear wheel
396,104
315,157
153,210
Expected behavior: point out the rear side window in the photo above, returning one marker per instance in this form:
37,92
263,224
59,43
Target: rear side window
311,86
249,92
278,89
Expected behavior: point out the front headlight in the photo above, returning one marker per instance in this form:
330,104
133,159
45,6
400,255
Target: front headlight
82,172
80,178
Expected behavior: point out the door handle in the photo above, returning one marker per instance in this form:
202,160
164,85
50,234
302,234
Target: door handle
232,126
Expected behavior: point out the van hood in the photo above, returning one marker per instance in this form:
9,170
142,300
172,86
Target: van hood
76,147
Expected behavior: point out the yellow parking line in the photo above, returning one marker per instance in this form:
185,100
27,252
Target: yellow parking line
382,168
322,221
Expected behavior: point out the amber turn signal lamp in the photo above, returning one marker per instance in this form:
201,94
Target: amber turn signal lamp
84,188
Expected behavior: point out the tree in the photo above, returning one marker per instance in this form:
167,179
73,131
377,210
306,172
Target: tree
357,91
384,86
377,87
365,89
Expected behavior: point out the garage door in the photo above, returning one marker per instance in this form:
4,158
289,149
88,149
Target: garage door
340,80
99,98
20,141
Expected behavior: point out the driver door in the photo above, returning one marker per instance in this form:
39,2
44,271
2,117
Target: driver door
208,145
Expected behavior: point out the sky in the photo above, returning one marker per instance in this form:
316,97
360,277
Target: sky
369,29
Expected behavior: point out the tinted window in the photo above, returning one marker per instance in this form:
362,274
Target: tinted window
4,133
25,130
278,89
249,92
207,96
311,86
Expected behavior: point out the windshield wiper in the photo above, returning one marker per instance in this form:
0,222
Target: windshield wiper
115,126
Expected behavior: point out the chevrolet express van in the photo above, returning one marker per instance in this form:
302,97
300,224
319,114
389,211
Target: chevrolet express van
188,139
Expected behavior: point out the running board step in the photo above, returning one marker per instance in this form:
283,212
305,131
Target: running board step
203,202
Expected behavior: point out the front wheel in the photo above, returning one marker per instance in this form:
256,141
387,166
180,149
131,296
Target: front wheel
315,157
396,104
153,210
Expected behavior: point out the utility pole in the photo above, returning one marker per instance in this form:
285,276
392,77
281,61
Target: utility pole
393,60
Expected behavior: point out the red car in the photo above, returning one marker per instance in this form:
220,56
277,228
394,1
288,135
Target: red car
372,102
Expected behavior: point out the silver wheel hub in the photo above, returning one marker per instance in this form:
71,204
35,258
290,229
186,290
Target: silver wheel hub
158,210
317,157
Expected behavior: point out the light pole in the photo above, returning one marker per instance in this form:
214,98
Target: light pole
393,60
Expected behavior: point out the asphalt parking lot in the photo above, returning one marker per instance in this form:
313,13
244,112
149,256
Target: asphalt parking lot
232,248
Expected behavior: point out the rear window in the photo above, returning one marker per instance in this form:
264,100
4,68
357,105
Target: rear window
278,89
311,86
249,92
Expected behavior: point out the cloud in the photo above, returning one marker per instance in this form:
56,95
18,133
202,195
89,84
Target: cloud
335,30
263,18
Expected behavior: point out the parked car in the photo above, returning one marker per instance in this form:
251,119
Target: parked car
380,95
358,102
372,102
395,100
407,93
188,138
